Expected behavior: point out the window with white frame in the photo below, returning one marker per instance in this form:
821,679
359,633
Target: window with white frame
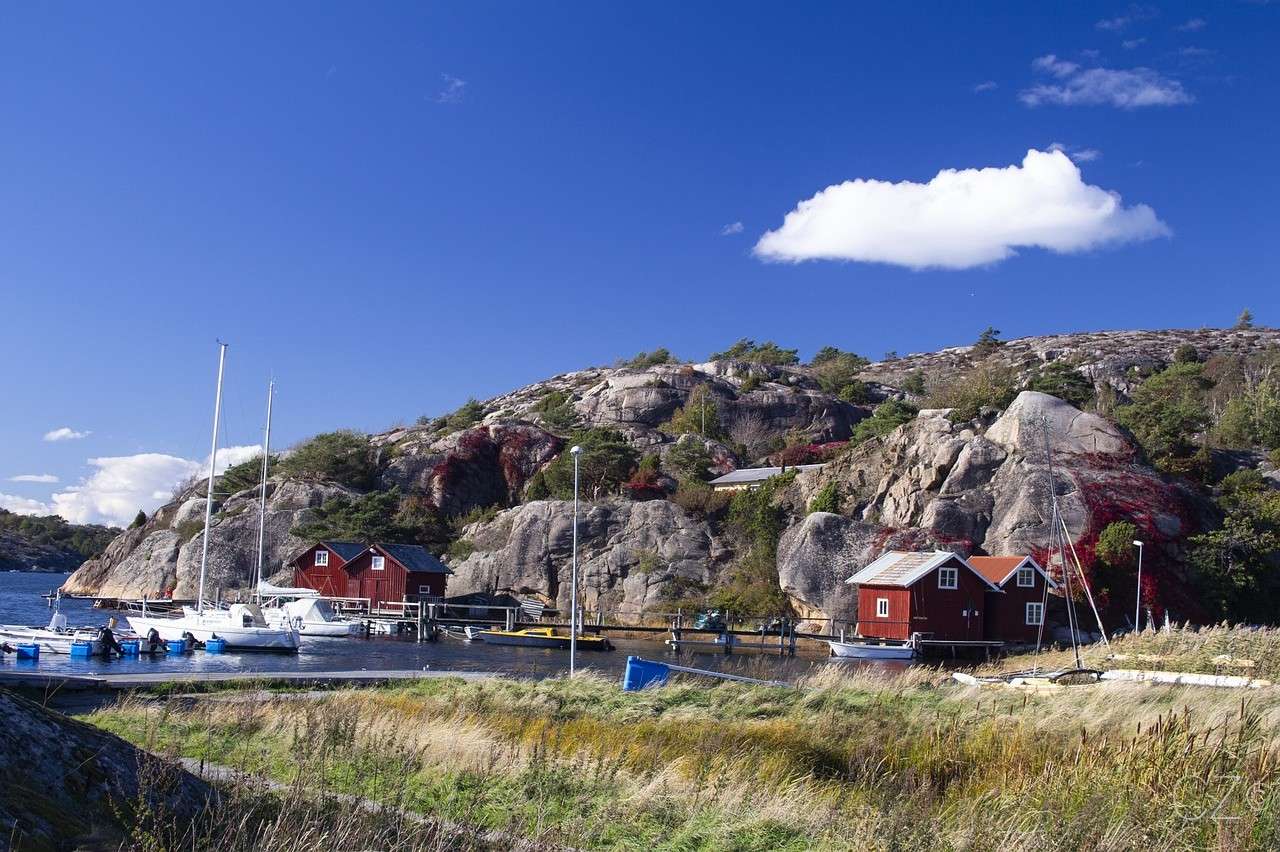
322,558
948,578
1035,614
424,590
1026,577
882,607
379,563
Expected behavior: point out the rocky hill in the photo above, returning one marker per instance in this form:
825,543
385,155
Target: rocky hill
48,543
486,484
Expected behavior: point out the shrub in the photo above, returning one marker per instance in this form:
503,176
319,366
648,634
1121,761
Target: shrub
1245,320
1115,543
138,520
1168,410
469,414
988,341
700,499
460,549
837,373
826,500
888,415
749,384
700,415
763,353
651,359
1252,417
914,383
247,474
988,385
1060,379
557,411
537,489
343,456
606,463
189,529
689,460
1186,354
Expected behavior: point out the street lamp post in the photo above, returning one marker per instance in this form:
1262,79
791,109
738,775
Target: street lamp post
573,576
1137,604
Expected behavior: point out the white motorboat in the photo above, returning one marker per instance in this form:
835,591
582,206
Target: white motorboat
56,638
243,626
872,650
311,616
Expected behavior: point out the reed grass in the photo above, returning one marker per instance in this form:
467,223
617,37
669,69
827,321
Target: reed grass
855,759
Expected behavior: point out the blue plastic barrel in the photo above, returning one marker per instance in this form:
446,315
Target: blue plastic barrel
27,651
643,673
176,646
82,649
215,646
130,647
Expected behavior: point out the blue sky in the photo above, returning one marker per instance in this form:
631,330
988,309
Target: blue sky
395,207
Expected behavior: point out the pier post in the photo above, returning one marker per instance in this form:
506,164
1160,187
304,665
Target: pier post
510,615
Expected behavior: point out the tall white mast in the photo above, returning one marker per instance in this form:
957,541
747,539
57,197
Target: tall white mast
262,500
213,459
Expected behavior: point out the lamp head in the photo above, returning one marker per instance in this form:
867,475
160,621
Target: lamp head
1138,544
576,450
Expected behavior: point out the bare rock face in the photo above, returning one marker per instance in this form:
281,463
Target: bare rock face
977,488
484,466
162,557
64,783
629,554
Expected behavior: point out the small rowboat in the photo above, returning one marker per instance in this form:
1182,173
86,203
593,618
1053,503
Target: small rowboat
866,650
543,637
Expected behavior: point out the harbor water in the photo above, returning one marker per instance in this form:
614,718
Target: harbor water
21,603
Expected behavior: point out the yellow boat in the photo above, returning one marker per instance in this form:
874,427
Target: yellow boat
543,637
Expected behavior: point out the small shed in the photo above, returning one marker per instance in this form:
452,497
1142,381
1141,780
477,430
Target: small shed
321,566
931,592
386,573
1015,613
753,477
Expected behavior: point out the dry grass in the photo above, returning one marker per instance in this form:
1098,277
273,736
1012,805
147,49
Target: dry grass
856,759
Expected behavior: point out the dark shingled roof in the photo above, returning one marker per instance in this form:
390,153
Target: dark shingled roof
415,558
348,550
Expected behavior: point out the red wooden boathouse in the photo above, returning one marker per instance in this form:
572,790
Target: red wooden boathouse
933,592
383,573
1015,613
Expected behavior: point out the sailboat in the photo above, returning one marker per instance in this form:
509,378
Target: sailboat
241,625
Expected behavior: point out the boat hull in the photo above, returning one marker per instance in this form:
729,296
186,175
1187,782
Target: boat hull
240,638
870,651
50,641
501,637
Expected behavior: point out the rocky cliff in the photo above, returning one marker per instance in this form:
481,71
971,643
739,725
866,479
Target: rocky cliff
975,486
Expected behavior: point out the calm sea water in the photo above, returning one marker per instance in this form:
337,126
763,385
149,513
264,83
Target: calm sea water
20,603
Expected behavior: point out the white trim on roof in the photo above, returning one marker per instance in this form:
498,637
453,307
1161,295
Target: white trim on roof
1035,565
891,558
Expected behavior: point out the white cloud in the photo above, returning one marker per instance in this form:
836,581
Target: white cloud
24,505
1135,14
34,477
731,228
65,433
1131,43
1192,25
1077,155
453,90
121,485
1078,86
961,218
986,86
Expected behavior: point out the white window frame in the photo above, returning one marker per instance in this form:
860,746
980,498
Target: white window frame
424,590
378,563
953,573
882,607
322,559
1038,609
1029,574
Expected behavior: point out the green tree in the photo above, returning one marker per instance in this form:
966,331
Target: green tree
661,355
606,462
837,373
247,474
557,411
1057,378
988,341
886,417
1115,543
537,489
989,385
689,459
1168,410
700,415
138,520
756,521
1186,354
1245,320
343,456
382,516
1236,570
763,353
469,414
827,499
913,383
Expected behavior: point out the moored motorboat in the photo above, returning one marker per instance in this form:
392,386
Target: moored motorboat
311,616
55,638
543,637
241,625
872,650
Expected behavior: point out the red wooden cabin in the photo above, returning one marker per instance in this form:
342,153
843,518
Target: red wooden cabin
934,592
382,573
1015,613
320,566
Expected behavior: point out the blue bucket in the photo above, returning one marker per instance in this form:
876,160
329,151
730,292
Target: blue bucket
643,673
130,647
27,651
215,646
176,646
81,649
